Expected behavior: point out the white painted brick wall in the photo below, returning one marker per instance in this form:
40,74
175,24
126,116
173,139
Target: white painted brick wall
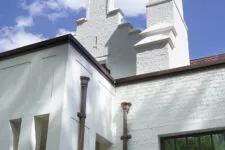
153,58
169,106
162,13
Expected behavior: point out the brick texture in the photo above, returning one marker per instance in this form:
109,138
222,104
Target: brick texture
184,103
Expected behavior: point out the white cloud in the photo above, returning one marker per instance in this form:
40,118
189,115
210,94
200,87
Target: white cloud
73,4
34,8
17,36
129,7
63,31
57,15
132,7
52,7
24,21
12,37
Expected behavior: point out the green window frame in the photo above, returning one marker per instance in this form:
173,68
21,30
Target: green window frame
214,140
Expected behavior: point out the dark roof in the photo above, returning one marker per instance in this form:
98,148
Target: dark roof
55,42
196,65
211,62
208,59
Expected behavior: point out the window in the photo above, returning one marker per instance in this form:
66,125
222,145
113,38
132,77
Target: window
15,126
201,141
41,131
101,143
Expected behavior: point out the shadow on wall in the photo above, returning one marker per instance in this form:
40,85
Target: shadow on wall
122,54
172,105
21,98
99,100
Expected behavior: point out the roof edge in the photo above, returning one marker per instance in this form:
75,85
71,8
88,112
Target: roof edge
34,47
82,50
196,65
169,72
56,42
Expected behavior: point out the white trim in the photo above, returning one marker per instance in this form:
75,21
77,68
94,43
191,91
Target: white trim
157,29
155,39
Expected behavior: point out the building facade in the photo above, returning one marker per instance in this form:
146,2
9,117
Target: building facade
66,94
115,43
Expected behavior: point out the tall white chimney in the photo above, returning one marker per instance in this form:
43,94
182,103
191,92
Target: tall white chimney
164,43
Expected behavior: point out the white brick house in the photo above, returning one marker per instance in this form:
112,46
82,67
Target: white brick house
177,104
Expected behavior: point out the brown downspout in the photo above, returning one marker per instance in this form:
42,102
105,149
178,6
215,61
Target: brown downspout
82,113
125,137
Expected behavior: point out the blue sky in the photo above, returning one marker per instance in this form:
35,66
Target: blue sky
26,21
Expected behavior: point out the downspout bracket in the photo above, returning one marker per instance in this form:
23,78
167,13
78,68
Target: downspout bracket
126,137
81,115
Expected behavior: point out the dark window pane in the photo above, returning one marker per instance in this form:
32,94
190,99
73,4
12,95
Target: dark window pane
169,144
218,141
205,142
193,143
181,144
